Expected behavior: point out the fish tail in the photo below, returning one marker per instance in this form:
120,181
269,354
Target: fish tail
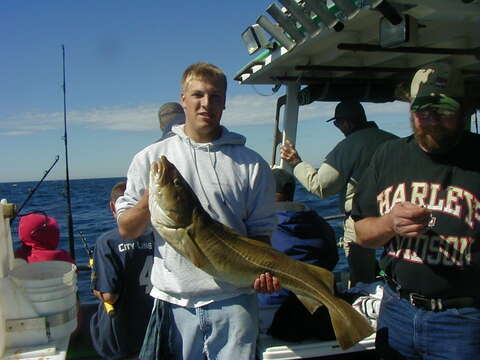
350,327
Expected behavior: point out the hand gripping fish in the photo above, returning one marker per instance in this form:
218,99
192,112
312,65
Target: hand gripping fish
220,251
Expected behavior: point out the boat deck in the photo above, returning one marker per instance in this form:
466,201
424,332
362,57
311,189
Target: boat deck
269,348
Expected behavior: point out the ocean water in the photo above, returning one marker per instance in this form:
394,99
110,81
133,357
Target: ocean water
91,214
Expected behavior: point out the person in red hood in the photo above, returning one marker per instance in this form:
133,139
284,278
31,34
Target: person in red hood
40,235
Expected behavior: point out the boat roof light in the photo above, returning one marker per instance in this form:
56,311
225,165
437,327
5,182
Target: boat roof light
286,22
299,14
276,31
326,17
254,39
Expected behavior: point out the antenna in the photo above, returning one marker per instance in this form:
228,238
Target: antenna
71,242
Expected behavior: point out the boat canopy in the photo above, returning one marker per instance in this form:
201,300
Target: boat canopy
364,49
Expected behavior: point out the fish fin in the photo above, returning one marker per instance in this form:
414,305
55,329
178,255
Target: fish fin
200,221
192,251
310,304
349,325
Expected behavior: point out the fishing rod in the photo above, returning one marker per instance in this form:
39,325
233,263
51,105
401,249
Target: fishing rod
67,178
109,308
35,188
88,250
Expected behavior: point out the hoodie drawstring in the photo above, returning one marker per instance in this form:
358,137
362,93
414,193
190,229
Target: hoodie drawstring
193,153
216,174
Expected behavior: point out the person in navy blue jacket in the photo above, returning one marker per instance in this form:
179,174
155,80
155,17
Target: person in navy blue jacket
121,280
301,233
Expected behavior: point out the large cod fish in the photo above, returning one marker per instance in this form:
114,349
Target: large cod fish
220,251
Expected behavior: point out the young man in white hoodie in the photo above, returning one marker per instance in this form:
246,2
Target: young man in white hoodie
195,315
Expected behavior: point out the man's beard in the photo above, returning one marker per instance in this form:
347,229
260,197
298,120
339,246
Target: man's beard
436,139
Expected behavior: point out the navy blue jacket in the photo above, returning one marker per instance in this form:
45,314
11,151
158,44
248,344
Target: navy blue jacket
122,267
304,236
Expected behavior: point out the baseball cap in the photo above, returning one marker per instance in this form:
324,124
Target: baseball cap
170,114
349,109
436,85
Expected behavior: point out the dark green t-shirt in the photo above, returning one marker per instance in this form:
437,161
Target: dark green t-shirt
351,156
445,261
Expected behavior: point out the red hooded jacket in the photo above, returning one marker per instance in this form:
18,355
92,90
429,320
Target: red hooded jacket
40,236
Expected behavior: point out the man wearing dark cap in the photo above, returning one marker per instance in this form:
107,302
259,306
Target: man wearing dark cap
340,173
170,114
419,200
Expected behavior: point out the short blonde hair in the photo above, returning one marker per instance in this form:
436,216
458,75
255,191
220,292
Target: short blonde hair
205,72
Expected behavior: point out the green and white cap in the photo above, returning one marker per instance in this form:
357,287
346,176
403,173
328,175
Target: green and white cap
436,85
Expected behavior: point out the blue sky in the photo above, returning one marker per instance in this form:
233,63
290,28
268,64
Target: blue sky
124,59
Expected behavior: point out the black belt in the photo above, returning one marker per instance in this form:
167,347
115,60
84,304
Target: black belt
434,304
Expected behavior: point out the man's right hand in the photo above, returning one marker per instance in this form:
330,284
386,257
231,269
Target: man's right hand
289,153
404,219
408,219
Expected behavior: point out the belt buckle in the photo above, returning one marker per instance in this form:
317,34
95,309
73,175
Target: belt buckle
423,302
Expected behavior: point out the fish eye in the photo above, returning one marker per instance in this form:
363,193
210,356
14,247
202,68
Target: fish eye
176,182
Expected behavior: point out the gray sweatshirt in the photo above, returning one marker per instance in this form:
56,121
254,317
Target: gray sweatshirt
234,185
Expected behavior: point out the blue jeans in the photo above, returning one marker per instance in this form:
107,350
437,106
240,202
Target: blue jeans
407,332
221,330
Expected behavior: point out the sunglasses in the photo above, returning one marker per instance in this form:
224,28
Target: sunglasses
441,114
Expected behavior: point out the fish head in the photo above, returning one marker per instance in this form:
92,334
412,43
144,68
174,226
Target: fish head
171,200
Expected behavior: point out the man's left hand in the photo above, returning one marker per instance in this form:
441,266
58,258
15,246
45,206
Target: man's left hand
266,283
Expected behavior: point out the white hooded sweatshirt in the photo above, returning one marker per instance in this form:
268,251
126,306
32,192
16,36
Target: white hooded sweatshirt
234,185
